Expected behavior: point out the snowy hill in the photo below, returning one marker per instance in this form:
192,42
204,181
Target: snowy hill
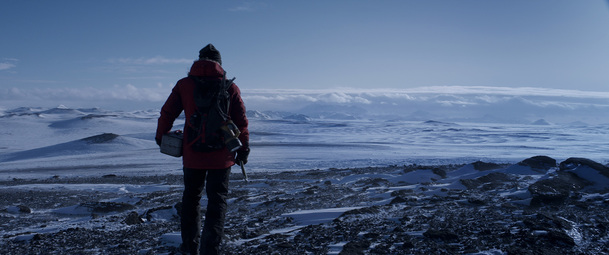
106,142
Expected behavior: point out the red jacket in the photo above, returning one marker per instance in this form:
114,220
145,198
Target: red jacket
182,98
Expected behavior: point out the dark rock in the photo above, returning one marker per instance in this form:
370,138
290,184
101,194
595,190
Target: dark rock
149,213
103,138
284,245
492,178
408,245
93,116
355,247
17,209
178,207
484,166
24,209
373,182
133,218
560,237
554,221
539,163
397,200
252,233
444,235
440,172
476,200
107,207
278,201
555,190
365,210
402,192
37,237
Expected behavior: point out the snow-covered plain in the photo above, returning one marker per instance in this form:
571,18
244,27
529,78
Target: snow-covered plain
387,184
63,141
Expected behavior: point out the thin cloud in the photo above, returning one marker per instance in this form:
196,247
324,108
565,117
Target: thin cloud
248,7
508,91
518,104
423,92
126,92
7,63
150,61
455,94
6,66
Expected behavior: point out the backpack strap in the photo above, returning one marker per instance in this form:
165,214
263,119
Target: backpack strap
224,107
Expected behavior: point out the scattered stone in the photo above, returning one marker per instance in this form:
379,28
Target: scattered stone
423,218
355,247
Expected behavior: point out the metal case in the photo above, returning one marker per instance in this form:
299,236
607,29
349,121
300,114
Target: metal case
172,144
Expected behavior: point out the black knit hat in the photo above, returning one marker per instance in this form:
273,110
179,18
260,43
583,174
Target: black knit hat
210,52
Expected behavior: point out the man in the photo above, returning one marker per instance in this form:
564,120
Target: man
199,166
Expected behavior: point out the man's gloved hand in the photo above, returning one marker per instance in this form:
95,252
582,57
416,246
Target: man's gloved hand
158,141
242,156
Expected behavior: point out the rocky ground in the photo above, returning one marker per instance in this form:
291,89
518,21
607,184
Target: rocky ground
384,211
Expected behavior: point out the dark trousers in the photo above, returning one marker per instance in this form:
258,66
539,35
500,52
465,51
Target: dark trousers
193,240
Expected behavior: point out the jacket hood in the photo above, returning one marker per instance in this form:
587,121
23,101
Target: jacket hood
206,68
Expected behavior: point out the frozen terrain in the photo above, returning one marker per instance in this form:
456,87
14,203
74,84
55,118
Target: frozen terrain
63,141
91,181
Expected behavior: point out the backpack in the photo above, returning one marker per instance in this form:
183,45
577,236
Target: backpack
211,114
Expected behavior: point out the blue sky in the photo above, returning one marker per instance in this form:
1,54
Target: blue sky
131,47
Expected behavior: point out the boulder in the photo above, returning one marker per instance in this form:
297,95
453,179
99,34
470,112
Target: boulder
596,174
556,190
572,163
539,163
